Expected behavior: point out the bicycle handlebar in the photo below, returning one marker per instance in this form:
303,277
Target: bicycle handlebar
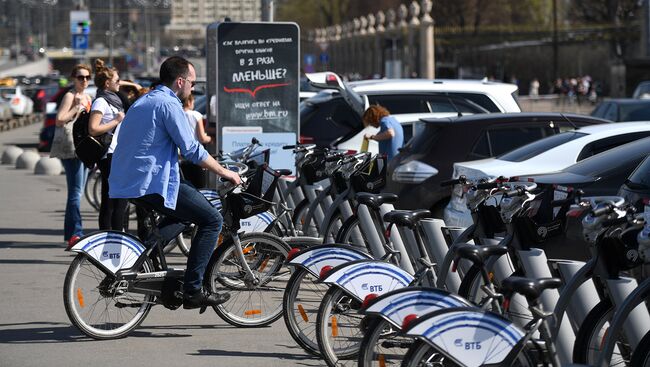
607,209
487,185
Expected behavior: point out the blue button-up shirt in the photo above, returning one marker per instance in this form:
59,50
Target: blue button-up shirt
145,160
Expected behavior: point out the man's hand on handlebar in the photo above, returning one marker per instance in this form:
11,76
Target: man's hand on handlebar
231,176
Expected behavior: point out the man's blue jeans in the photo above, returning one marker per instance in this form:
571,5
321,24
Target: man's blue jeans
192,206
75,175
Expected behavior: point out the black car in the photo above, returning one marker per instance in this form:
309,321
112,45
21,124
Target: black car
636,188
600,175
425,161
623,109
41,94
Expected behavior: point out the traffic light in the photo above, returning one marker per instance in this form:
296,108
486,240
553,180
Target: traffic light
83,27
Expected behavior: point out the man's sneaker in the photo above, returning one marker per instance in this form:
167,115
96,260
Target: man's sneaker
204,299
72,241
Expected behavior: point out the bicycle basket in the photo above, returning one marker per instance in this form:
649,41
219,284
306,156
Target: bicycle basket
258,195
340,185
313,170
371,177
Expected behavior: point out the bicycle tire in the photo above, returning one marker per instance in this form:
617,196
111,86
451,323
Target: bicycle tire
592,332
641,354
300,306
76,293
422,354
299,213
381,344
338,328
89,188
333,226
97,190
347,233
248,306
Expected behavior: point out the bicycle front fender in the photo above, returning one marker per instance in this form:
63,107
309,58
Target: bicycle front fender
394,306
363,277
113,250
315,258
473,337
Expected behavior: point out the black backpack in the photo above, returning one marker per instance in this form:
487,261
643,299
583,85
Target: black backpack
80,127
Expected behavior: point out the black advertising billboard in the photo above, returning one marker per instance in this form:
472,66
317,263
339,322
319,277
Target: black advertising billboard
256,85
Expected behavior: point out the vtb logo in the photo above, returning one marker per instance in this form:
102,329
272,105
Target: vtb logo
115,255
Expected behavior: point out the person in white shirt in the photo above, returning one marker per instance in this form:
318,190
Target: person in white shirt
106,114
195,120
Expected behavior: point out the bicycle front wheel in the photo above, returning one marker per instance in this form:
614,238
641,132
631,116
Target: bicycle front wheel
255,301
339,328
99,306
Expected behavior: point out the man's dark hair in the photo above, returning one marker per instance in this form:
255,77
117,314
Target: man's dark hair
173,68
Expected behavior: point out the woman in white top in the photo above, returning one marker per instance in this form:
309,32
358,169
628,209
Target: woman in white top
74,102
106,114
195,120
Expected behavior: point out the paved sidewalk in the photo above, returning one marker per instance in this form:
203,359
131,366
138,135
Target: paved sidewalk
34,329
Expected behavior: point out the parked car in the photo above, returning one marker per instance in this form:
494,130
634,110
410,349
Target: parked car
334,115
5,109
624,109
636,188
41,94
416,172
602,174
21,105
642,90
550,154
51,108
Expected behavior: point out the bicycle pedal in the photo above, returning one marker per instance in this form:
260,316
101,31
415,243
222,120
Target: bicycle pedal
202,310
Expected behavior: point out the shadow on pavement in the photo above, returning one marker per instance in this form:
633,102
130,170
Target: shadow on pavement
55,332
33,261
251,354
42,332
37,231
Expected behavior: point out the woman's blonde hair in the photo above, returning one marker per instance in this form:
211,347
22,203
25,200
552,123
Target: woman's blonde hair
103,73
373,114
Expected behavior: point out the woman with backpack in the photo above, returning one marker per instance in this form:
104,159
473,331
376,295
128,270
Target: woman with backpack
74,103
106,114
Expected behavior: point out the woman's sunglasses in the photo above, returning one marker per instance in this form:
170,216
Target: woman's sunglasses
81,78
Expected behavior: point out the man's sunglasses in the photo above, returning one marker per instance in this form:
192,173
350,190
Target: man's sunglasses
81,78
192,82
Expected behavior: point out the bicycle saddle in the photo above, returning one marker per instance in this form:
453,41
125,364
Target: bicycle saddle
478,255
284,171
528,287
407,218
374,201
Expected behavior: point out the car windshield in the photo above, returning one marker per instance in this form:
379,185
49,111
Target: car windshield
530,150
641,175
594,166
635,112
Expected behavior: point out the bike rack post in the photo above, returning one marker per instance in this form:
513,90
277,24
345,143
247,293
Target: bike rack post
535,264
584,299
438,247
638,320
397,240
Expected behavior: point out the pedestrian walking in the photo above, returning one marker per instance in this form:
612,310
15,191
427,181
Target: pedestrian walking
146,162
391,134
106,115
74,102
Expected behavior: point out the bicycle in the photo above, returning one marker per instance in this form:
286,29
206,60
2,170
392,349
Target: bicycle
115,272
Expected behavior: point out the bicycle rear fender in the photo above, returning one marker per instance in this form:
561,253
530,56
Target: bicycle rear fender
396,305
111,249
472,337
363,277
314,258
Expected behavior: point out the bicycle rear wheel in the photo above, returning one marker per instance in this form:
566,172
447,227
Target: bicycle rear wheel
382,345
339,328
100,307
301,301
257,302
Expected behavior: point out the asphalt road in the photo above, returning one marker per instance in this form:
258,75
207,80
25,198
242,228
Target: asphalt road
34,328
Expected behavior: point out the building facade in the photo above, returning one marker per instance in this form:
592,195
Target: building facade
189,18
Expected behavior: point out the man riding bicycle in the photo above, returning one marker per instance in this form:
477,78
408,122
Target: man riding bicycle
145,166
